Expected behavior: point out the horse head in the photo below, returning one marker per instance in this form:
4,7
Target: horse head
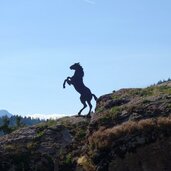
76,66
79,72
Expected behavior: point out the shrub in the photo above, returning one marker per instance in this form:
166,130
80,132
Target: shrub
86,164
104,139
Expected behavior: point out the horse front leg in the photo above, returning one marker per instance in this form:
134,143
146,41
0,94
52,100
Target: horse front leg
64,83
68,80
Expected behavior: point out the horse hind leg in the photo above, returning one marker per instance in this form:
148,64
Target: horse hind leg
90,105
85,105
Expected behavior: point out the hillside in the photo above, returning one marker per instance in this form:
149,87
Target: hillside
11,123
5,113
130,131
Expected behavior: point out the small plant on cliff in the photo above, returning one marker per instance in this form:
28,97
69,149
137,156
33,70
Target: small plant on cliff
68,159
86,164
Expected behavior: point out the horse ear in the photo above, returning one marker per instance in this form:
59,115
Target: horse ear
78,63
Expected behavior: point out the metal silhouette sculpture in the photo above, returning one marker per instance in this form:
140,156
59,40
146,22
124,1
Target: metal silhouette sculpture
77,81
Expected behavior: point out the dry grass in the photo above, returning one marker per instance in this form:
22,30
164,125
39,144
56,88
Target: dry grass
104,138
86,164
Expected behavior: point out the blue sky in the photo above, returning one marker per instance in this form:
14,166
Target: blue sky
120,44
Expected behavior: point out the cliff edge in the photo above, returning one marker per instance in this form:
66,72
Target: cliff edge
130,131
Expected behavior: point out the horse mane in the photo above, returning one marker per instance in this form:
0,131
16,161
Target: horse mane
80,71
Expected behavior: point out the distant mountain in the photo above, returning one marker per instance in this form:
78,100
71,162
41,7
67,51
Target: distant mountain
5,113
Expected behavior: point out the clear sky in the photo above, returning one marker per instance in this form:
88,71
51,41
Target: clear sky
119,43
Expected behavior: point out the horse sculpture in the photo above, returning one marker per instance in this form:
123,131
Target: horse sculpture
77,81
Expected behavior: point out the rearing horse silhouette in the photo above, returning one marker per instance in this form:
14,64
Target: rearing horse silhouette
77,81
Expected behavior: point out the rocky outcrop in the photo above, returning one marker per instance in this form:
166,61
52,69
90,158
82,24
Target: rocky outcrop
41,147
130,131
154,156
113,144
128,124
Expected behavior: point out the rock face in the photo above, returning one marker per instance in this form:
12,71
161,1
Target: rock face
130,131
43,147
154,156
33,147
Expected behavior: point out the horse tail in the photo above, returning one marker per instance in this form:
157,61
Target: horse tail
94,97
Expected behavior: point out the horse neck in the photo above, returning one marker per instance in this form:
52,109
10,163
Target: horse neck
79,74
78,81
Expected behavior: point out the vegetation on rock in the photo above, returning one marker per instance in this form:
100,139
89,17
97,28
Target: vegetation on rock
131,129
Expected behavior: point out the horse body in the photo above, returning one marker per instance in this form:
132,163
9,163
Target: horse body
77,81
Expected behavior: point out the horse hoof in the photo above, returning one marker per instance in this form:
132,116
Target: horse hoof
88,116
79,115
